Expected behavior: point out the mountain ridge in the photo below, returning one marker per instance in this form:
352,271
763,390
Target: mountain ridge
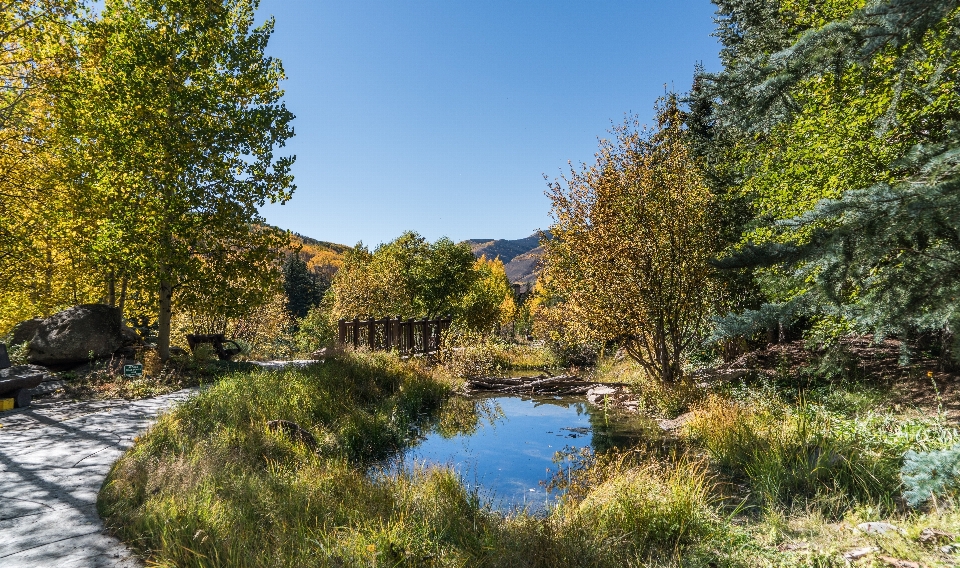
520,257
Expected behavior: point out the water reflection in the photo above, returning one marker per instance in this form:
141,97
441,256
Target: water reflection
504,446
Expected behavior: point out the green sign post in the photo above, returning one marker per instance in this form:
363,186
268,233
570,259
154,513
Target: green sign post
133,371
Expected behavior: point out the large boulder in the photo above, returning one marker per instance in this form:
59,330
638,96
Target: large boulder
77,335
23,331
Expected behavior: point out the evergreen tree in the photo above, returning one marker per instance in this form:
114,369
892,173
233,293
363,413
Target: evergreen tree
875,241
303,289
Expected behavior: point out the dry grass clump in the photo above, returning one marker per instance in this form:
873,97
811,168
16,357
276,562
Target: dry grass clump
656,508
807,454
471,355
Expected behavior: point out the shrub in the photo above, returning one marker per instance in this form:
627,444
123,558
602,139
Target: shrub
929,475
572,353
19,354
315,330
470,355
632,241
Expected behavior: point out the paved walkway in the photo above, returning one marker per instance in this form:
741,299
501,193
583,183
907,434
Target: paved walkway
53,460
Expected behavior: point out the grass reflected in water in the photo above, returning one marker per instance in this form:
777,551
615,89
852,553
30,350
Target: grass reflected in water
504,447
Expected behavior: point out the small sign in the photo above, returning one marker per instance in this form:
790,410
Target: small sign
133,371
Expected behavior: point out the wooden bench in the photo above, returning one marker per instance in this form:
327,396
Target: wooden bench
225,348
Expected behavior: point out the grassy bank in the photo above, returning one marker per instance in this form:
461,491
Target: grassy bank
211,484
759,476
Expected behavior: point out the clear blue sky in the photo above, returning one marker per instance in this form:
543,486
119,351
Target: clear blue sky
442,116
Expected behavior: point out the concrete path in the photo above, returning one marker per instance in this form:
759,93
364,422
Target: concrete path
53,460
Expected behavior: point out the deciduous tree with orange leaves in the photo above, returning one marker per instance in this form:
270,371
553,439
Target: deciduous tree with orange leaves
631,244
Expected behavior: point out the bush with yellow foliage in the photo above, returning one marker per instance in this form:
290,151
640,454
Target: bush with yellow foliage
632,241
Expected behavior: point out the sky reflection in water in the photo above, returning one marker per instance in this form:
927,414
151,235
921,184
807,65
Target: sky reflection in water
505,445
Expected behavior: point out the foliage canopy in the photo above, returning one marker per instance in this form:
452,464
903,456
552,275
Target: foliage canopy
632,240
842,118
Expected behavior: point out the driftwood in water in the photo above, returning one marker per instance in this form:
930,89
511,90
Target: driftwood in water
560,385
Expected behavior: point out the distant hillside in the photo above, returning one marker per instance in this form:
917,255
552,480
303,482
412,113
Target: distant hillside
503,248
520,257
322,257
337,248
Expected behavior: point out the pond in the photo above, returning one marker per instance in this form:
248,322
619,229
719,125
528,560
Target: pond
504,446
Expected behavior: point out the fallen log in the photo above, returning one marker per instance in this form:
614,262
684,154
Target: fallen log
562,385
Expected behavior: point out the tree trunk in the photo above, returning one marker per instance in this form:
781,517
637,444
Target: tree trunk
163,334
123,295
112,290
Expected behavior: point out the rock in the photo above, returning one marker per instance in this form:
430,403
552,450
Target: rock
24,331
320,354
794,546
676,423
294,431
77,335
130,336
878,528
20,377
931,534
48,387
858,553
21,398
899,563
4,357
126,352
597,394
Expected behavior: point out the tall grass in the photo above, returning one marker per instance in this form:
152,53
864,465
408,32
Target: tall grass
805,453
211,485
471,355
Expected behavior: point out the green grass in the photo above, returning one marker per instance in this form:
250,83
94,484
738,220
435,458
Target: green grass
761,476
211,485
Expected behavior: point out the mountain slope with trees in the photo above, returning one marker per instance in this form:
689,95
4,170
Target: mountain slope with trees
521,257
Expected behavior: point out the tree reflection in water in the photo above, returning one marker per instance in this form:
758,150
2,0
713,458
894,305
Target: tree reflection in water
506,445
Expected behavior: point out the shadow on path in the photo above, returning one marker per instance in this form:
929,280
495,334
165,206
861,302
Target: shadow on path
51,471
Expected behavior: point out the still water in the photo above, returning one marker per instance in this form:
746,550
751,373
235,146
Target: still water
504,447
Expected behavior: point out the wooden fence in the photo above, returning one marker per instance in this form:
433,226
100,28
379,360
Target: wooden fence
408,337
